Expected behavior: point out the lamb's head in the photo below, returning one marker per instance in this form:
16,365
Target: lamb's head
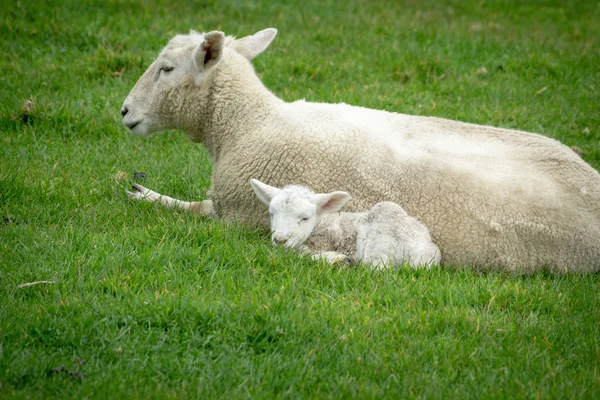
295,210
179,73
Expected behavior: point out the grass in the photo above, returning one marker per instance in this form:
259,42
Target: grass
149,303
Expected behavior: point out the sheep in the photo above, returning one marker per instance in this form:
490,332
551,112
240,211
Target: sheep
492,198
383,236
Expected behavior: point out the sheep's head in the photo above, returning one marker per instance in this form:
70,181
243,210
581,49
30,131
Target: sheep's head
182,66
295,210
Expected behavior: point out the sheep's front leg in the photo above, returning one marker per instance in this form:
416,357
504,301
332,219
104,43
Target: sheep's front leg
332,257
204,207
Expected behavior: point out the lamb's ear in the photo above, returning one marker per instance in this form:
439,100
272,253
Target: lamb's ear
251,46
209,52
331,202
263,191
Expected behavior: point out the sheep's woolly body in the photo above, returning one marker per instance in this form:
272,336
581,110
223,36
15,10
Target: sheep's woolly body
384,235
491,197
337,232
388,231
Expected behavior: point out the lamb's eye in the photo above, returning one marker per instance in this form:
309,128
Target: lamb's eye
166,69
304,219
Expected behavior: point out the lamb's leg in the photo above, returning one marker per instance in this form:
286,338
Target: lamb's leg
203,207
332,257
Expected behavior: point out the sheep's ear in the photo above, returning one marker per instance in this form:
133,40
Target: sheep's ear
251,46
209,52
331,202
264,192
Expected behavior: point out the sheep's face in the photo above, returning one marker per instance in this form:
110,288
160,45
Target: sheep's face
153,102
160,99
295,210
293,219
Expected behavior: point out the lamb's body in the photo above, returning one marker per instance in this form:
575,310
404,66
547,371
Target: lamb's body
491,198
383,236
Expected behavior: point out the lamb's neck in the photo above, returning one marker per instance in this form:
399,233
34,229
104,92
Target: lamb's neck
349,222
237,103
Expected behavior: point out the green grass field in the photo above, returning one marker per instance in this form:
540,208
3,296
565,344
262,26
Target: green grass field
145,302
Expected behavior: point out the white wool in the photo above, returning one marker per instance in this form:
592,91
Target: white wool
491,198
383,236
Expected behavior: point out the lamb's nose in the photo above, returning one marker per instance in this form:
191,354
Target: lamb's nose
278,241
124,111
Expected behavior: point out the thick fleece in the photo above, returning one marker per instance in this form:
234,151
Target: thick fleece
383,236
491,198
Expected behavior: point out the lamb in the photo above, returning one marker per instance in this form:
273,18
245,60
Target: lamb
383,236
492,198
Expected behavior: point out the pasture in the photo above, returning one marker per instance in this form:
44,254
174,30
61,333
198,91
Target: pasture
104,297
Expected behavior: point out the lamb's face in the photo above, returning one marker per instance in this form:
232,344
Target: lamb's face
154,102
294,210
293,219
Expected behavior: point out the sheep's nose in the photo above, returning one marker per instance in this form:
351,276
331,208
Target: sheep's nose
124,111
279,241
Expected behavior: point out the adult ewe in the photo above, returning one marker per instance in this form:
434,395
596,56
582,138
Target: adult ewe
492,198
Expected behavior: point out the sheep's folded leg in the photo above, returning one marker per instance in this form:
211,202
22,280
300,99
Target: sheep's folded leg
332,257
204,207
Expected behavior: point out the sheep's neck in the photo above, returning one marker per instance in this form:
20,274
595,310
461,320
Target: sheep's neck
237,103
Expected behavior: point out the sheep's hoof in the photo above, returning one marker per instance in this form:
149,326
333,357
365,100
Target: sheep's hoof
138,192
342,261
346,261
138,188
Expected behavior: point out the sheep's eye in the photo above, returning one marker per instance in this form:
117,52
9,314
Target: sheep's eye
166,69
304,219
271,215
